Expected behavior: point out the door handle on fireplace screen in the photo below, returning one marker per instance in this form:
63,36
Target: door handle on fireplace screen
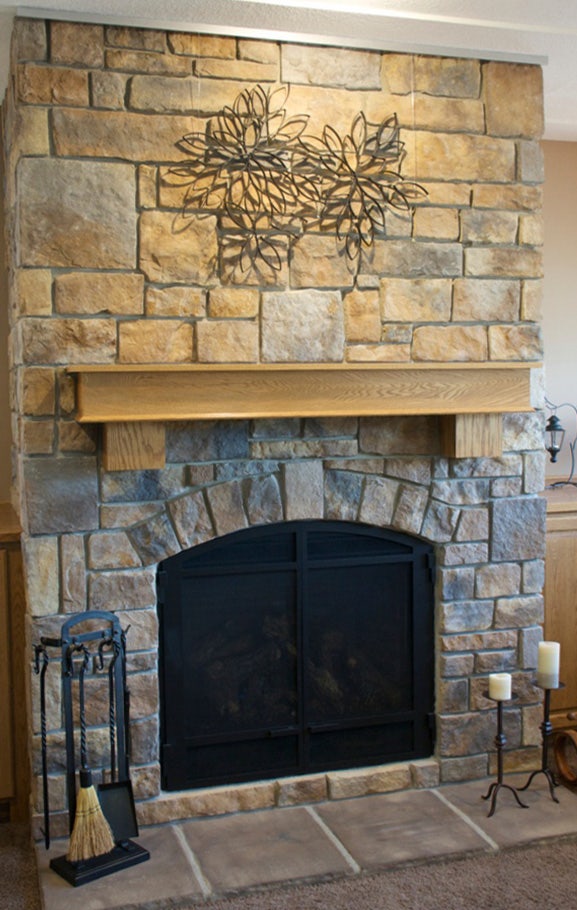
282,731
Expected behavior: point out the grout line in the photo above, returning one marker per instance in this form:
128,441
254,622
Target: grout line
469,821
203,882
334,839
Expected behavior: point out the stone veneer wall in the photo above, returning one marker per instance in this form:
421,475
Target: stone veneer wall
99,275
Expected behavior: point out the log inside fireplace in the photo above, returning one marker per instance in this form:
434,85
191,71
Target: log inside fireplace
294,648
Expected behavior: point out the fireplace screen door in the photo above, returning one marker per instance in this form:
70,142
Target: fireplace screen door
293,648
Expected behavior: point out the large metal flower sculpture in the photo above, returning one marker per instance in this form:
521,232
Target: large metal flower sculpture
269,180
360,180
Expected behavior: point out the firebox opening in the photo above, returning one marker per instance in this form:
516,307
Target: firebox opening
295,648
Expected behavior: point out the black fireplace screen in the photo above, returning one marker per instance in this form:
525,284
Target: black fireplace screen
294,648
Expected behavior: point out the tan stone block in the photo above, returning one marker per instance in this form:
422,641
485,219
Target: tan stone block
145,780
498,580
378,502
315,101
432,223
473,524
260,51
168,255
399,436
300,326
163,93
119,134
38,391
34,292
31,133
126,592
410,509
111,550
530,162
340,67
147,39
207,802
479,300
532,301
531,229
69,340
460,156
98,293
362,316
294,791
397,73
449,115
77,44
450,343
42,575
76,437
147,186
191,520
52,85
227,341
232,303
136,61
378,353
227,507
77,213
417,300
447,76
406,259
124,515
425,773
364,781
175,300
488,227
143,631
197,45
108,90
452,194
73,573
29,38
303,490
243,70
38,437
517,197
513,262
155,341
396,333
515,342
513,95
318,262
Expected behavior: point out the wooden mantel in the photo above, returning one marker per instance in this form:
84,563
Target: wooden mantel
134,402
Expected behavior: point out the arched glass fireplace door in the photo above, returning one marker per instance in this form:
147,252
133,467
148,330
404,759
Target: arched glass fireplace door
295,648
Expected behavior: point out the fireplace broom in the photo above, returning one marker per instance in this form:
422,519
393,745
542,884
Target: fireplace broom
91,835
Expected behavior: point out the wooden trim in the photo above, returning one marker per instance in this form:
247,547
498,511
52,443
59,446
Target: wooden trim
126,398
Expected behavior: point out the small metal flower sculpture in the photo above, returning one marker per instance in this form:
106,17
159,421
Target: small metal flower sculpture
257,168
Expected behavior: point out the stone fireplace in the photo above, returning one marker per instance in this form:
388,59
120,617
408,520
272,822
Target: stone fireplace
104,275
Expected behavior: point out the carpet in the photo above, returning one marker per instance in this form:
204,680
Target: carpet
18,875
540,876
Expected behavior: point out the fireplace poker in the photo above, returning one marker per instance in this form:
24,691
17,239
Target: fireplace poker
40,651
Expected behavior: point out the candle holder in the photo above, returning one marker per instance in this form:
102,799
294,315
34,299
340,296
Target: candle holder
546,730
500,742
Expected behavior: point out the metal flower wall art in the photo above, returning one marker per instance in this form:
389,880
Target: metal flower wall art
270,181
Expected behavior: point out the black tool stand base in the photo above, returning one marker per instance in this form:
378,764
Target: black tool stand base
124,855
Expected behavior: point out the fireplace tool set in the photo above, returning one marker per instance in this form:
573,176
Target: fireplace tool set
102,820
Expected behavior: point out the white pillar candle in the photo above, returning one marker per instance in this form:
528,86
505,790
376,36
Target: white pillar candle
548,659
500,686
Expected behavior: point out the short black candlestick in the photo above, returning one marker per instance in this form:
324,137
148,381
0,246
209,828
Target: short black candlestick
546,730
500,742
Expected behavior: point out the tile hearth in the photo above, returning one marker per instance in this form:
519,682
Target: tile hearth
203,859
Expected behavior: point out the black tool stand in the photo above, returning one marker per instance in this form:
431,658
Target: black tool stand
94,637
546,730
500,742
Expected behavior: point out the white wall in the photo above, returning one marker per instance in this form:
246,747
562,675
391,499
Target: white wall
560,286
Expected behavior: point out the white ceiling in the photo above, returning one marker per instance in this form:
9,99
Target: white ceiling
526,30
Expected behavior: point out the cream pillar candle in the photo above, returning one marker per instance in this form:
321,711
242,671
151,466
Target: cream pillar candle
500,686
548,660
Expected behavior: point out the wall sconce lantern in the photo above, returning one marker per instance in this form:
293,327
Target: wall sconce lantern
555,436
